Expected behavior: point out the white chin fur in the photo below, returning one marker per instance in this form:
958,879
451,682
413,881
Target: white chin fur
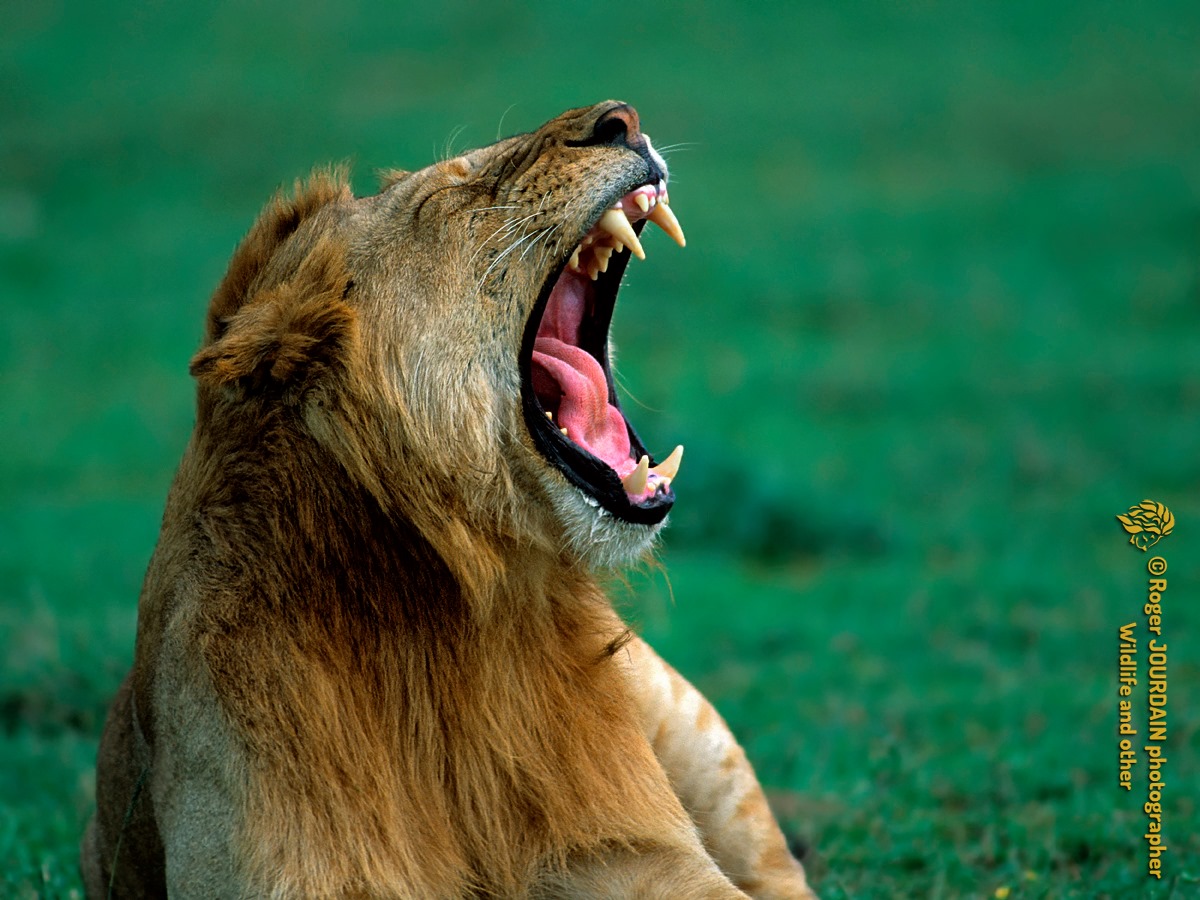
592,533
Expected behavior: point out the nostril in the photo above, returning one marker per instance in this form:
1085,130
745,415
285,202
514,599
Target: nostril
617,127
611,130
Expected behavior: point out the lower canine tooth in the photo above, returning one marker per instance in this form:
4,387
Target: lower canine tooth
635,481
669,467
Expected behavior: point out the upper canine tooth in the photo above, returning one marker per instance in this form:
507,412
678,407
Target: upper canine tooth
616,223
642,202
665,219
635,481
669,467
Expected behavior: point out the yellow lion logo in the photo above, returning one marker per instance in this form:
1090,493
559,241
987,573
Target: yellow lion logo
1147,524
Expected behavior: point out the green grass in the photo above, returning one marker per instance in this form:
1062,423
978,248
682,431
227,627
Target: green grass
937,323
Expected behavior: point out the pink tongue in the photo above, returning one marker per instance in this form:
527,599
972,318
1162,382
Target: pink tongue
572,373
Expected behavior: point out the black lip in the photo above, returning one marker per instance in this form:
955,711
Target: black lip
590,474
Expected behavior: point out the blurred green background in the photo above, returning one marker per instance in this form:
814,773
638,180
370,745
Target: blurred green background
938,322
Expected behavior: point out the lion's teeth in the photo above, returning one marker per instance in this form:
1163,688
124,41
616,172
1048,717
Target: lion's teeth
564,431
550,415
669,467
614,232
615,222
635,481
665,219
603,254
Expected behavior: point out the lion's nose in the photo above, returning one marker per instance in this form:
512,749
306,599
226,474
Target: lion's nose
618,127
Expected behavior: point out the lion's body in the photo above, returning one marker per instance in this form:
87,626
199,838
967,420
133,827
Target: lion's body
371,660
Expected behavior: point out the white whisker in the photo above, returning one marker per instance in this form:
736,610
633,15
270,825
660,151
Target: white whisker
500,258
545,233
500,124
682,145
508,227
448,146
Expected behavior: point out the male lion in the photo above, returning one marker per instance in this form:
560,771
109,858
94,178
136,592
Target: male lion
372,657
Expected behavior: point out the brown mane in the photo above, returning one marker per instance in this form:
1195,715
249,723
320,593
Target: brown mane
395,664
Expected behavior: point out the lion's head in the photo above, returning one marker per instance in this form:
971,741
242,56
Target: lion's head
446,340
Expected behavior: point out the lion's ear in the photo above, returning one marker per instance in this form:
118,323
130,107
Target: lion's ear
281,219
286,335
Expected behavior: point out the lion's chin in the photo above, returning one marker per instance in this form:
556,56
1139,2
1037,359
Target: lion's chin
594,535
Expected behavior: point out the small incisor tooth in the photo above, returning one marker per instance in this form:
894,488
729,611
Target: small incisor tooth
602,255
616,223
669,467
635,481
642,202
662,216
574,264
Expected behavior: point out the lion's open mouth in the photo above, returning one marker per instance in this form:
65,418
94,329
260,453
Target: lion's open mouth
571,407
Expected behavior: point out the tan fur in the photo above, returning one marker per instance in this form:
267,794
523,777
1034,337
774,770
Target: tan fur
372,658
712,777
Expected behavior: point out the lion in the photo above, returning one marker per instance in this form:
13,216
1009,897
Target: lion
373,657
